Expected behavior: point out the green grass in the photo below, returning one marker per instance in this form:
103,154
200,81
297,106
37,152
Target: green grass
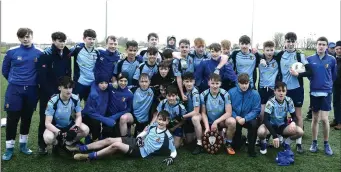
184,161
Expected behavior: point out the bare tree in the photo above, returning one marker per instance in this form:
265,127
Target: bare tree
279,40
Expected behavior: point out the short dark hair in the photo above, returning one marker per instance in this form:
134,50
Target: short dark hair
245,39
322,38
215,47
144,75
164,114
112,37
184,41
89,33
22,32
163,64
66,82
290,36
171,90
152,50
268,44
188,76
58,35
280,84
167,53
215,77
243,78
152,35
131,43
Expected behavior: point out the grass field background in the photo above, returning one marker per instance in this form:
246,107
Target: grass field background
185,161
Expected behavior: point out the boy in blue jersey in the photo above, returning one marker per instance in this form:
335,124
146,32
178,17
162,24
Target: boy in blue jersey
192,124
177,112
149,67
243,61
63,116
119,108
324,71
207,67
199,54
156,139
268,70
293,80
85,56
130,63
50,68
142,102
94,112
246,108
19,69
216,112
275,120
108,59
153,41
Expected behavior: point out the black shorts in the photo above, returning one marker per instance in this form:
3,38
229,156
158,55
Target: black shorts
65,129
140,127
321,103
279,129
297,96
265,94
134,150
188,126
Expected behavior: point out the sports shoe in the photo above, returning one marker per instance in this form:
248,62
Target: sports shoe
258,143
328,150
337,127
42,151
313,147
263,149
197,150
333,124
309,116
229,149
8,154
80,156
299,148
24,149
72,148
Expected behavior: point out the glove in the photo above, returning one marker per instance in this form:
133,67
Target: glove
168,161
70,135
60,136
139,142
76,128
217,71
263,62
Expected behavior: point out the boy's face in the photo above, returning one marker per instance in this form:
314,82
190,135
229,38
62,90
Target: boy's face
244,86
164,71
215,54
244,47
162,124
112,45
321,46
189,84
65,92
123,83
225,51
144,83
290,44
26,40
331,50
338,51
200,49
269,52
59,44
131,51
171,99
89,41
184,49
152,58
280,93
103,85
171,41
153,41
214,86
163,91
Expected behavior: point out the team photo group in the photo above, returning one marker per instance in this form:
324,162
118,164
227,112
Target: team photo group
98,101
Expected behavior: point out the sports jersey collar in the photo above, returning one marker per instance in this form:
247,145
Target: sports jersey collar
150,65
22,46
63,101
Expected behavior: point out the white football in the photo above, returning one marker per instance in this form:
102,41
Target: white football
298,67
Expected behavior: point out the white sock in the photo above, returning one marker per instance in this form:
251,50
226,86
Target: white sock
10,143
288,141
299,140
199,142
23,138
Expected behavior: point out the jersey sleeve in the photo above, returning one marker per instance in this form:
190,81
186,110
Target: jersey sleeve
196,99
49,109
304,61
227,98
78,107
291,106
159,107
202,99
183,110
171,141
268,107
137,74
175,67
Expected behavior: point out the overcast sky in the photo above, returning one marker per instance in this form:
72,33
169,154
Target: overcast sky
212,20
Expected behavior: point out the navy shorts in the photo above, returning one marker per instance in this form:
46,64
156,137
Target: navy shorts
297,96
265,94
188,126
279,129
82,90
134,150
19,96
321,103
179,132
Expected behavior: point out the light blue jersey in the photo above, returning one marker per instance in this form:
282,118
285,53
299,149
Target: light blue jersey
86,61
145,68
179,69
126,66
193,99
287,60
278,111
215,105
245,63
268,74
64,110
173,110
142,102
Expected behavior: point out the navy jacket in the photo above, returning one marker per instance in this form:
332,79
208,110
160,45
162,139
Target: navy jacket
105,64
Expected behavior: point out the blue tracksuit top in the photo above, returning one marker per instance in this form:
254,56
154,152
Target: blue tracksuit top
245,104
19,65
105,64
323,73
120,101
